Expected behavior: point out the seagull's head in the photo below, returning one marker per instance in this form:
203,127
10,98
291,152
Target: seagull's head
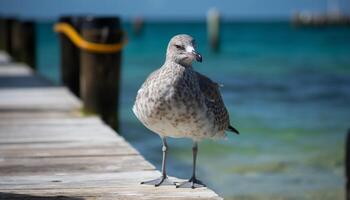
182,50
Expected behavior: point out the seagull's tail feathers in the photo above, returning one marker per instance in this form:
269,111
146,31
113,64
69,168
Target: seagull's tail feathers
232,129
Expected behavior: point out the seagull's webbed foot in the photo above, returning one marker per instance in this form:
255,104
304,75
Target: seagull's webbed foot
192,183
163,180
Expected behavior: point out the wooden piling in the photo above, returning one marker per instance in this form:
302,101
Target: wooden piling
347,166
137,26
2,33
16,38
27,52
70,57
213,29
100,72
22,42
5,34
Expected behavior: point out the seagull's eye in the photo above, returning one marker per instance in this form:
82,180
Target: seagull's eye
179,47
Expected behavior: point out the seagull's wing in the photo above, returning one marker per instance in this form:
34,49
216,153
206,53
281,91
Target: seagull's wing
209,88
214,102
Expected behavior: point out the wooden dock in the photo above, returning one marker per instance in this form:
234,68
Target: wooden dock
48,150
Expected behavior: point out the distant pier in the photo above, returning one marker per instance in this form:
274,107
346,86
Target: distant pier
332,17
308,19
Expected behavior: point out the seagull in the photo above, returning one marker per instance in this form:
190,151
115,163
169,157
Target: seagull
176,101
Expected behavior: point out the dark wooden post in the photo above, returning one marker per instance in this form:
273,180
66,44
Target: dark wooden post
100,72
27,43
2,33
347,166
5,34
16,39
22,41
70,57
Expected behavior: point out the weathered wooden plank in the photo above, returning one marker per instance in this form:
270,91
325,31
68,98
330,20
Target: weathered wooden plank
12,82
67,143
109,193
55,133
87,164
46,138
4,58
18,75
55,98
123,185
63,144
92,150
63,121
14,69
105,196
74,180
30,114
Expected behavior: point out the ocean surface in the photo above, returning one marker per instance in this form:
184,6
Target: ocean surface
287,90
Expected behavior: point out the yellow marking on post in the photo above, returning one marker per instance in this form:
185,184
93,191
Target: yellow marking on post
80,42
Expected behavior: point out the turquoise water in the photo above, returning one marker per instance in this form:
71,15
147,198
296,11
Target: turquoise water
287,90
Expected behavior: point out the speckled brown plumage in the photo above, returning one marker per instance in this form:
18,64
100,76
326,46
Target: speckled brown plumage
177,101
214,101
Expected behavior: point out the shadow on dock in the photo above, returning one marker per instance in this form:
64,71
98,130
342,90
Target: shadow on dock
24,82
17,75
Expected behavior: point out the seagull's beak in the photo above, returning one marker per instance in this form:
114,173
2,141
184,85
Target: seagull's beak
192,51
198,56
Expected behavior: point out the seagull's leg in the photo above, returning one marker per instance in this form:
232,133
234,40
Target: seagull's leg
193,182
163,180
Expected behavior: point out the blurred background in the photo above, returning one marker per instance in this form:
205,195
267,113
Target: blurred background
285,67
